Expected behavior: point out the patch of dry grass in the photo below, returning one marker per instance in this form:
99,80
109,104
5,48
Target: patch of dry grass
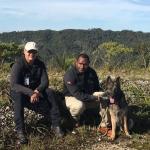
136,89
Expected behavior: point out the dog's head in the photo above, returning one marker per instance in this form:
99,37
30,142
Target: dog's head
112,86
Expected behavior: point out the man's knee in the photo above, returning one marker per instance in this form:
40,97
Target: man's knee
16,95
77,109
49,94
20,100
49,91
79,106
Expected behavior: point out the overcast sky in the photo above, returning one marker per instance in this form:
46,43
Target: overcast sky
116,15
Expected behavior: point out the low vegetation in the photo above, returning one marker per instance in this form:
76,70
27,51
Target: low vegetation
136,87
129,61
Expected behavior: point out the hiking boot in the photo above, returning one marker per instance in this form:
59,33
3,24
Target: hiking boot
57,131
22,139
76,124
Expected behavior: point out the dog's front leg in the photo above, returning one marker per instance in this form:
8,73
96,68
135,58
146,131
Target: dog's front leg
126,130
114,124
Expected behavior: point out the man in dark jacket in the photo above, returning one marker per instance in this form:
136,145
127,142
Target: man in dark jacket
29,87
81,87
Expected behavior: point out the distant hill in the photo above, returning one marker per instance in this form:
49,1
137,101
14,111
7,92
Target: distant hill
73,41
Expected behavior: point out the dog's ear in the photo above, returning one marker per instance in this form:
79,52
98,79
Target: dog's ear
108,80
118,81
103,84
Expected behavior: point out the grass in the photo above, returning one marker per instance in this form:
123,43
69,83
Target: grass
48,141
41,138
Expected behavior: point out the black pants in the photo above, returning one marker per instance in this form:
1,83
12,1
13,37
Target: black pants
21,101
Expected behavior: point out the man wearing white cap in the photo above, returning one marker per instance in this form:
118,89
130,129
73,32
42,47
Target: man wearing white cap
29,87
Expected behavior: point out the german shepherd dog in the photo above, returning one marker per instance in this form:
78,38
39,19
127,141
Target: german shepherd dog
116,105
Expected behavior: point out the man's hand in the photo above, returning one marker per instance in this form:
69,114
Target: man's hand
35,96
98,95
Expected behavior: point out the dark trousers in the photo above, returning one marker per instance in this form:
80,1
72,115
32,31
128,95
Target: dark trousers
47,99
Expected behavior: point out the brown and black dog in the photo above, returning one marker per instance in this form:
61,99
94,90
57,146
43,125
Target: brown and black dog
116,108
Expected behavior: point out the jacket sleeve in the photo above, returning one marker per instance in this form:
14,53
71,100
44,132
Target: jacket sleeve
72,87
44,81
16,80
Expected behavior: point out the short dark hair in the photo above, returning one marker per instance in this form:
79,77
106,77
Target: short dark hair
83,55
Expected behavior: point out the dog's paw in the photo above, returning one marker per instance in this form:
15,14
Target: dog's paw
129,135
112,138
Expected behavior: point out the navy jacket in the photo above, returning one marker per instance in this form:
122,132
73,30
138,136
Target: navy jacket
81,85
26,78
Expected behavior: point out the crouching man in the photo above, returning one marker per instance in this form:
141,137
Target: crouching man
29,86
81,86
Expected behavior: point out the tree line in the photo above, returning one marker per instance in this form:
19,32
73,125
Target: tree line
106,48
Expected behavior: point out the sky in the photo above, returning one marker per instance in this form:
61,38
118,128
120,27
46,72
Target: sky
115,15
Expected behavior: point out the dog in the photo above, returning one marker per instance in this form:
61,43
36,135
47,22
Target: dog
113,107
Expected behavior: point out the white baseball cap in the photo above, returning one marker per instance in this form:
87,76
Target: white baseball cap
30,46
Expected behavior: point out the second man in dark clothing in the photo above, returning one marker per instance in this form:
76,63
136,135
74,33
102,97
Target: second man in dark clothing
81,87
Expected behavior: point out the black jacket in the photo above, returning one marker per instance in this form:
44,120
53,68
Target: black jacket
81,85
26,78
